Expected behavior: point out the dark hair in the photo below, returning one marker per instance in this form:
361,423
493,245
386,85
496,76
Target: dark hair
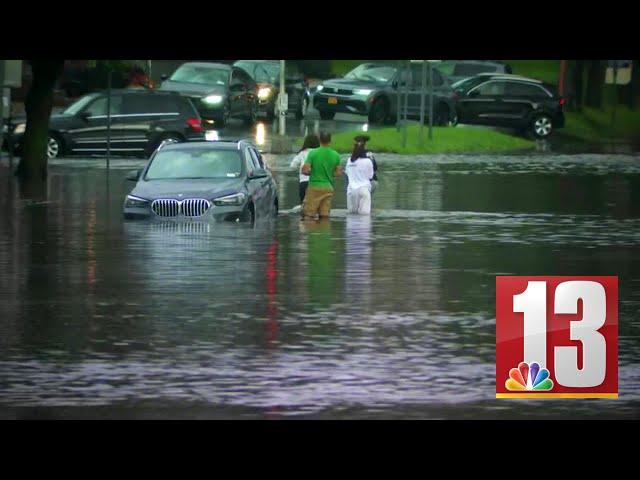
310,141
325,137
359,151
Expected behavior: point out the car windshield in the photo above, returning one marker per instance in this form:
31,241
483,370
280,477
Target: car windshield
264,72
470,69
194,163
82,102
467,83
371,73
200,74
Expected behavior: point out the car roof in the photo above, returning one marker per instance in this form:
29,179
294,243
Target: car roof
213,145
222,66
277,62
507,76
138,91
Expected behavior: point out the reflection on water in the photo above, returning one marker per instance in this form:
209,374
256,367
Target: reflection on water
388,316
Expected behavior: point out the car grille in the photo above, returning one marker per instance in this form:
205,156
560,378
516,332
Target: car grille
337,91
191,207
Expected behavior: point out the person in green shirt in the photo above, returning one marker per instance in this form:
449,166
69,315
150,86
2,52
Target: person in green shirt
322,165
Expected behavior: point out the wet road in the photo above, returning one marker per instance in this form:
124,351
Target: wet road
387,317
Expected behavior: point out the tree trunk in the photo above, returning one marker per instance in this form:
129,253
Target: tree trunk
578,85
38,104
595,83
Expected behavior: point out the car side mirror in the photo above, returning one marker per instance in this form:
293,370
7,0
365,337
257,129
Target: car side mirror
258,173
84,115
394,84
164,76
134,175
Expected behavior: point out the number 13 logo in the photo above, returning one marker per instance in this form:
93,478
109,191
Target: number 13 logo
557,337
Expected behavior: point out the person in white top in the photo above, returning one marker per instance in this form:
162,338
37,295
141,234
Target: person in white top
359,170
310,142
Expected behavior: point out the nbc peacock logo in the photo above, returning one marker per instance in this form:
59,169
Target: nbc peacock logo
529,378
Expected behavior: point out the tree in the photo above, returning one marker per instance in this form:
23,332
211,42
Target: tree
38,104
595,83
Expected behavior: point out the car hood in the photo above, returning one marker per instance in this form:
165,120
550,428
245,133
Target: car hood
193,89
346,83
188,188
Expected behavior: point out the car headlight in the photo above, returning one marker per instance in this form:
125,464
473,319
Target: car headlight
235,199
20,128
264,93
363,91
133,201
319,88
213,99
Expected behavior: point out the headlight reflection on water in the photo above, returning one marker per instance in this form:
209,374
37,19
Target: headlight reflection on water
260,134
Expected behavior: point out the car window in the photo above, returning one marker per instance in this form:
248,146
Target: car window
490,89
99,106
372,73
518,89
416,74
256,158
201,74
146,104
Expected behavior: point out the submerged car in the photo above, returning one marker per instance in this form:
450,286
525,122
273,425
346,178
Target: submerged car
218,91
266,73
223,180
372,89
510,101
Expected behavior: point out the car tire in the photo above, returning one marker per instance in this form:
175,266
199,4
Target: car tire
379,111
441,115
248,215
327,115
276,208
541,126
54,146
301,112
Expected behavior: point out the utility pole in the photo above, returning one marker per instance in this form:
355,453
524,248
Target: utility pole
406,101
399,98
108,119
282,97
562,78
422,91
430,102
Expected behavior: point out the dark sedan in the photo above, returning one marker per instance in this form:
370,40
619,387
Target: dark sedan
510,101
266,74
218,91
372,89
201,181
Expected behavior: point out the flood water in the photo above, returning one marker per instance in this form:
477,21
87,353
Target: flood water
391,316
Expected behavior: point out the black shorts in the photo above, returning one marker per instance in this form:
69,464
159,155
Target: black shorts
303,190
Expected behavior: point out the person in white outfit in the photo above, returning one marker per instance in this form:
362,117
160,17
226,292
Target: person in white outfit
310,142
359,171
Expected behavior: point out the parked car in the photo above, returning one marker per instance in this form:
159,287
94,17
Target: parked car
223,180
372,89
266,73
456,70
218,91
510,101
140,121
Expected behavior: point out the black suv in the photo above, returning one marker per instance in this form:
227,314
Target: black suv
140,121
372,89
266,74
509,101
218,91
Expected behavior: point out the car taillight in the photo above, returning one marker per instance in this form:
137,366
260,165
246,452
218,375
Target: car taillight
195,124
563,102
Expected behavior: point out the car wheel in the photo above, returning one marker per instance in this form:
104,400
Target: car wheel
302,110
326,115
54,146
248,215
541,126
379,111
441,115
276,209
